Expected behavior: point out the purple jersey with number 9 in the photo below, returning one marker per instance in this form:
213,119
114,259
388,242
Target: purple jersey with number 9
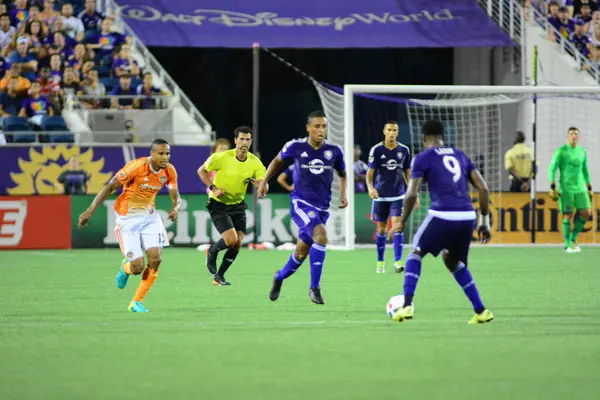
446,171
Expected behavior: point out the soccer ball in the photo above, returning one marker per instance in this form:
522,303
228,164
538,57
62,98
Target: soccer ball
394,303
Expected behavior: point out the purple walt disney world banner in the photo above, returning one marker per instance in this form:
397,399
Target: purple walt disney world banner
312,23
34,170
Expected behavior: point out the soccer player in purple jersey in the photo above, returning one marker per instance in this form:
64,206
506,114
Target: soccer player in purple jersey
315,159
387,176
448,227
360,171
285,177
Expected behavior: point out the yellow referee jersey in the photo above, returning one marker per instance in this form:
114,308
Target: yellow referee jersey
519,157
232,174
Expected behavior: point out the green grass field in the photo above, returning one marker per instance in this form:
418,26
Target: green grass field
65,332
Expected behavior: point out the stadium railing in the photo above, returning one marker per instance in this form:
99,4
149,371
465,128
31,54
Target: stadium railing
83,138
110,7
508,14
160,102
566,46
103,117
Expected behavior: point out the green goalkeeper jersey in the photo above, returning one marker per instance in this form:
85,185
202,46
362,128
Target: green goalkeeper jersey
572,164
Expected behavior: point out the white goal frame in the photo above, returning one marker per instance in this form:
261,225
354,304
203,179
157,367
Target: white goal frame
350,90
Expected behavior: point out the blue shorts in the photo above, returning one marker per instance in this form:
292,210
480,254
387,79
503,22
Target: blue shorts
436,234
307,218
382,210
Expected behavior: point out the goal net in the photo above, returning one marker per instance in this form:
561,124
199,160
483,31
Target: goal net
482,121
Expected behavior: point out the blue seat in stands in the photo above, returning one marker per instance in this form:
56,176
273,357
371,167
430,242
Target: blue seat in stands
135,82
53,124
63,138
18,124
103,70
109,83
57,124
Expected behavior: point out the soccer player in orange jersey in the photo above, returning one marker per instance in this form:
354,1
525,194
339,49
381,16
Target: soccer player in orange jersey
138,224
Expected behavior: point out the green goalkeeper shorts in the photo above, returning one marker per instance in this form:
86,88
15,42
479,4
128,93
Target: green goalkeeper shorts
571,201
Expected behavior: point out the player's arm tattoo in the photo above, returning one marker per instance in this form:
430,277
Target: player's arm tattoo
273,168
483,191
106,191
175,198
369,178
410,198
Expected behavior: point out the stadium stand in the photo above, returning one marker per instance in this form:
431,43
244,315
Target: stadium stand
72,71
574,26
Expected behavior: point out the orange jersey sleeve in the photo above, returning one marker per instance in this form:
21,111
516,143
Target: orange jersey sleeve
171,177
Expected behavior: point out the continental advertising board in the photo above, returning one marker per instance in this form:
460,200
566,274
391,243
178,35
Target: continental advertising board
511,220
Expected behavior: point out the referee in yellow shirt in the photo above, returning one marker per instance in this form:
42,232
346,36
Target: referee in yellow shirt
518,162
234,169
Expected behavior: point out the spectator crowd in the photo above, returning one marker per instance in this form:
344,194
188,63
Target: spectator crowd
577,22
51,49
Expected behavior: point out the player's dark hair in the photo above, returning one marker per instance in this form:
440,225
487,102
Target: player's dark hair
241,129
392,122
157,142
520,138
433,127
315,114
573,128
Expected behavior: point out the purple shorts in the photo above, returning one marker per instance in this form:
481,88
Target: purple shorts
382,210
307,218
436,234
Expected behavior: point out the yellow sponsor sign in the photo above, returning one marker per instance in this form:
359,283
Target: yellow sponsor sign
512,220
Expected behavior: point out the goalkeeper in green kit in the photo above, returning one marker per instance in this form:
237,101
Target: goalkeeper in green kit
574,190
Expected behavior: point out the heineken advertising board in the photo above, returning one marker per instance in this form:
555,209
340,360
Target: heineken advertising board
193,227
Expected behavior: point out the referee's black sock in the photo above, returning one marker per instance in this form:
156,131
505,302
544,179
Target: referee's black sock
217,247
227,261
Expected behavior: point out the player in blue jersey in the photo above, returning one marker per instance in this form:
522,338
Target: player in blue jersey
286,177
360,171
448,226
387,176
315,159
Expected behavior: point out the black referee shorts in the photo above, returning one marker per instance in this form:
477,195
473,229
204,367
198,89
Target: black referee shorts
227,216
515,185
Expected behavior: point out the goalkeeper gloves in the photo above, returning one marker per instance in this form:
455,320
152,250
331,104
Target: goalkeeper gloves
554,195
590,191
